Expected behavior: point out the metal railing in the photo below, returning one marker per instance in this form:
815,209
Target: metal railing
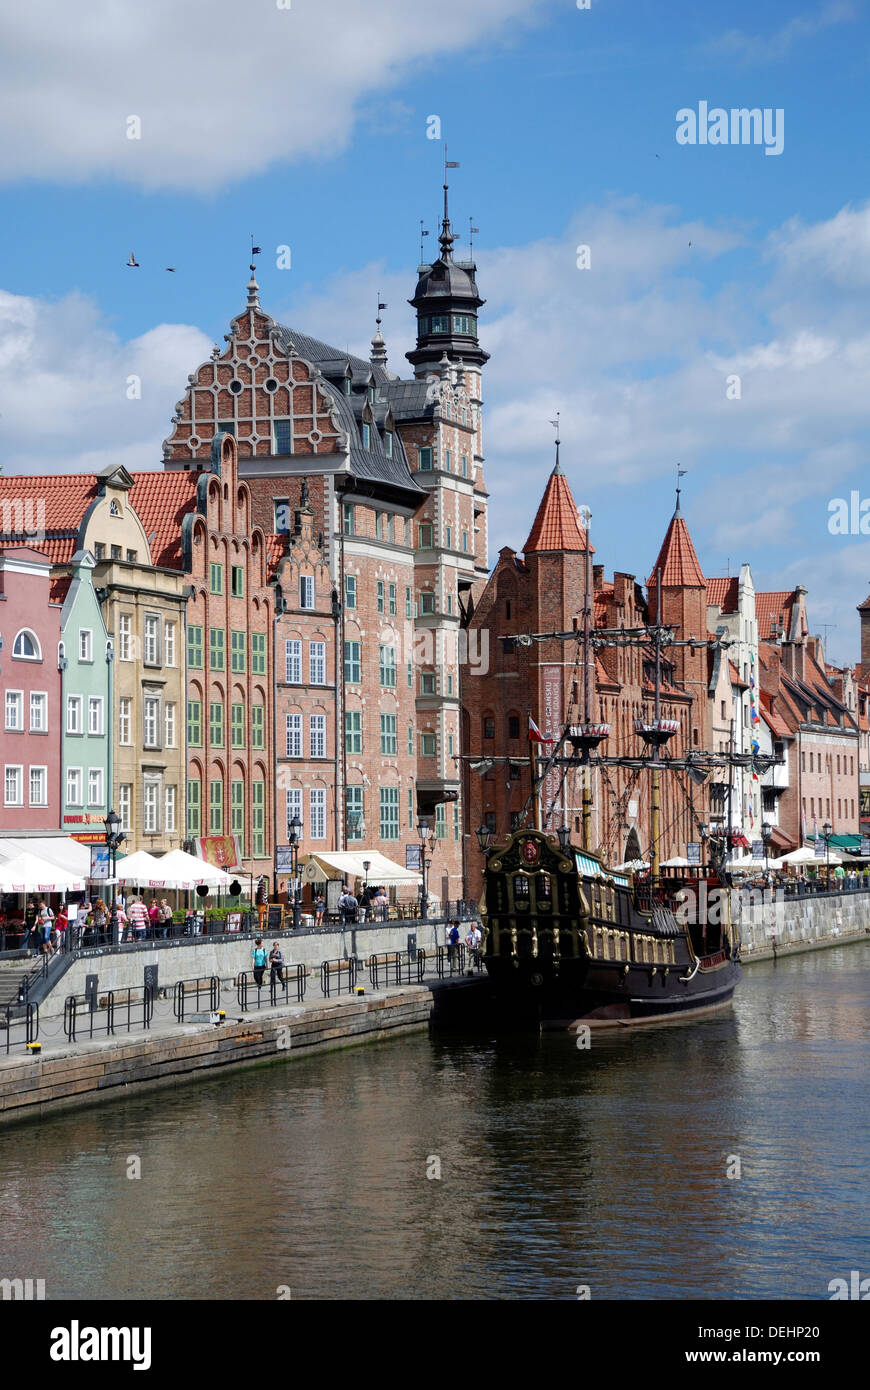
450,960
396,968
338,976
117,1011
27,1024
187,992
250,994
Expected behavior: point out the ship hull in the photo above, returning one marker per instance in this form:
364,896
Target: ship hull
603,995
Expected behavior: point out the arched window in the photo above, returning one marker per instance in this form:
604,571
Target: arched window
114,508
26,646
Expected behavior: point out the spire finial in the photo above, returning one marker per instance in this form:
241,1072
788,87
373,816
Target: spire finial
681,473
555,424
253,287
446,238
472,233
379,347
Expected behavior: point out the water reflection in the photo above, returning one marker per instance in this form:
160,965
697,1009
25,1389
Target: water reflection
558,1167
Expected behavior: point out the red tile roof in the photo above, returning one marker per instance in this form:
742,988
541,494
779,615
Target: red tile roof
275,550
53,504
722,593
736,678
162,500
58,589
774,608
677,559
774,721
556,526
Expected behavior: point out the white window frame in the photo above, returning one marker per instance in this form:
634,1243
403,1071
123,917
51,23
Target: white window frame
74,702
317,663
78,798
170,802
151,639
293,803
125,805
125,721
317,736
293,661
169,724
317,813
96,784
306,591
17,697
43,800
21,656
42,726
168,644
86,645
96,706
151,806
125,636
18,799
293,747
149,701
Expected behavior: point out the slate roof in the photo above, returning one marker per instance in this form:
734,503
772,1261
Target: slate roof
677,559
556,526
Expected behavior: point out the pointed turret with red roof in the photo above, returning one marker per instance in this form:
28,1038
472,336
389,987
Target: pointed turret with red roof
683,607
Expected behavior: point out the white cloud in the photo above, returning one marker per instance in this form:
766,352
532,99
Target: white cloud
64,374
222,89
753,49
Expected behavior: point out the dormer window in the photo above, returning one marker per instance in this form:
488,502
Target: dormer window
388,443
366,435
371,394
114,508
348,385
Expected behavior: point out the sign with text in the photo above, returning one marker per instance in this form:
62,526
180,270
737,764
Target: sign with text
283,859
757,849
99,862
865,845
414,857
820,849
693,851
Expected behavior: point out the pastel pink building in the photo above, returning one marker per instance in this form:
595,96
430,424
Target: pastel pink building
30,693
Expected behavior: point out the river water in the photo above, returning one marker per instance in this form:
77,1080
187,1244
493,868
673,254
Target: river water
559,1168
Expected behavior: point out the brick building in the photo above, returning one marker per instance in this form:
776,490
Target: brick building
392,532
544,590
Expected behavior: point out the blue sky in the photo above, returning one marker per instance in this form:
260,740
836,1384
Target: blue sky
308,127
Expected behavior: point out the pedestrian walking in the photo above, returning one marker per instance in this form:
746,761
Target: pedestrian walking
452,942
276,964
319,909
258,961
472,940
31,921
164,917
46,923
138,915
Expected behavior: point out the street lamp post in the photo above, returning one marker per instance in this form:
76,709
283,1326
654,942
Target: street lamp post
766,834
827,831
427,836
294,834
114,839
484,835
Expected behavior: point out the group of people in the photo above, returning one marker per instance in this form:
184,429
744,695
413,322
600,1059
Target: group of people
260,959
473,938
89,921
371,905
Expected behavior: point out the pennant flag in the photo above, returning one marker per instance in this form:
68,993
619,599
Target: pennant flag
535,735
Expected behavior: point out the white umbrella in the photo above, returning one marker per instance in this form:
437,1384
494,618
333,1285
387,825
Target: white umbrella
638,865
805,855
676,863
179,870
141,868
27,874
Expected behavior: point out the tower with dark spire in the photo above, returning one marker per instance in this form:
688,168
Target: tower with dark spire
446,301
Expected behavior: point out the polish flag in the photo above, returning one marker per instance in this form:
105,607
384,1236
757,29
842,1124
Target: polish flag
535,735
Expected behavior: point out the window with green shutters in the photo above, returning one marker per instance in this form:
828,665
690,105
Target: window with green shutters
237,815
389,813
389,740
238,581
380,595
353,731
350,591
258,653
237,640
440,821
217,643
194,807
258,818
352,663
258,726
216,578
216,809
411,739
456,820
194,723
216,724
194,648
387,667
237,726
408,610
391,598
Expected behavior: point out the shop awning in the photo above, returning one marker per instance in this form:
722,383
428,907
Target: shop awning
28,874
60,850
349,865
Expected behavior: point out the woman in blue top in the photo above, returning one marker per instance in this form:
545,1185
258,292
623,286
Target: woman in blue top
258,960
